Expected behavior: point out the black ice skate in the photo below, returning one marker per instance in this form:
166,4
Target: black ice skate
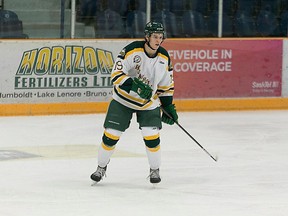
154,176
99,174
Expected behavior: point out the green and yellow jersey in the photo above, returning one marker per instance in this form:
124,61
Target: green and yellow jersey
155,71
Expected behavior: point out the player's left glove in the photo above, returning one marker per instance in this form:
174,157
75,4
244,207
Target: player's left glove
142,89
171,115
136,85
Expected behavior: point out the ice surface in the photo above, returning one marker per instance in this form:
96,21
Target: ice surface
46,162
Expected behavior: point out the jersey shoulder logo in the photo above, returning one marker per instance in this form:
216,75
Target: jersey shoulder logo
122,53
137,59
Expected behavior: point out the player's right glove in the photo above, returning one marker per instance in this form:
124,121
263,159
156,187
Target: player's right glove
171,111
142,89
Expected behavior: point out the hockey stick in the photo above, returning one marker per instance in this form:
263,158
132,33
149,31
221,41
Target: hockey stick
176,122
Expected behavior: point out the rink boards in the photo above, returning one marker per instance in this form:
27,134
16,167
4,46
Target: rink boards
40,77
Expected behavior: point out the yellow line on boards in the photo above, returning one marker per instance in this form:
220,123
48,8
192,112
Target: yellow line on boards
181,105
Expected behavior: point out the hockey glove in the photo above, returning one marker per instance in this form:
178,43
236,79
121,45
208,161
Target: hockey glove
171,115
142,89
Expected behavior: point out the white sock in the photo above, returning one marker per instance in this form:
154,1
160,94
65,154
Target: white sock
154,158
104,155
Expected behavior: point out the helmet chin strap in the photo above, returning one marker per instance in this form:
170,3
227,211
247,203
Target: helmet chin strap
148,43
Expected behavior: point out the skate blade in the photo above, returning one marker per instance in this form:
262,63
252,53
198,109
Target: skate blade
94,183
155,185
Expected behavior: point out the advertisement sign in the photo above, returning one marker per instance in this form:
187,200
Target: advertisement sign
63,71
57,71
226,68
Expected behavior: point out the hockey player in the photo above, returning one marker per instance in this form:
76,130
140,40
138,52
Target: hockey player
142,79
